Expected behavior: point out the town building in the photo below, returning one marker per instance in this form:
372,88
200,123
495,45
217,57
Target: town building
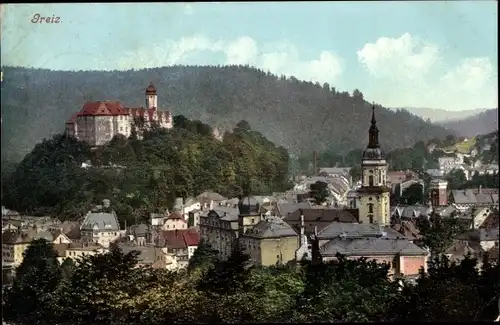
99,121
374,194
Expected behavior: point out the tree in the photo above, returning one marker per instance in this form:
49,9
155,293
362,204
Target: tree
319,192
438,233
228,276
413,194
456,178
203,256
37,277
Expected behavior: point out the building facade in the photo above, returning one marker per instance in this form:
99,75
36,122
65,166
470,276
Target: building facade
98,122
374,194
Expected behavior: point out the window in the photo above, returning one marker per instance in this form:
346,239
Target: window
370,217
370,180
252,221
370,208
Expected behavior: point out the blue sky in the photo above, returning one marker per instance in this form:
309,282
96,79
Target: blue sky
417,54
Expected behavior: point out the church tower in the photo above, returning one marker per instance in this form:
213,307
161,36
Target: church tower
373,195
151,97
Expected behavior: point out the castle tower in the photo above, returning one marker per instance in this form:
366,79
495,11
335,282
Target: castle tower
438,192
373,195
151,97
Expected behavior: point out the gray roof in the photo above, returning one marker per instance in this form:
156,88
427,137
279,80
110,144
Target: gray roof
212,196
412,211
271,227
139,230
335,170
447,212
147,253
286,208
489,234
370,247
356,230
104,221
463,196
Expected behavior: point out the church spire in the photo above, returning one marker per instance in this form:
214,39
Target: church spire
373,132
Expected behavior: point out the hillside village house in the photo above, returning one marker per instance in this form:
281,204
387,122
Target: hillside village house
272,241
375,242
75,251
98,122
175,221
101,228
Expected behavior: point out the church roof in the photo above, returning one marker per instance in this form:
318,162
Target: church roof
373,151
151,90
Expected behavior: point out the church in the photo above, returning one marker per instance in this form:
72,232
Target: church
98,122
374,194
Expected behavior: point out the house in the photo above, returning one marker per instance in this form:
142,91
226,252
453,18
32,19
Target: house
223,225
270,242
179,245
157,219
394,178
14,243
465,199
219,227
209,200
374,242
75,251
175,221
149,254
318,218
100,227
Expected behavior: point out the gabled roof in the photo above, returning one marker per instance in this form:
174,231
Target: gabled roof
211,196
371,247
271,227
319,218
104,221
286,208
106,108
357,230
177,239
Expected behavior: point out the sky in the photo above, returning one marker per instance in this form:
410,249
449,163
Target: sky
435,54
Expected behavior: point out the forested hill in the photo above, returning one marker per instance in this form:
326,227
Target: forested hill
301,116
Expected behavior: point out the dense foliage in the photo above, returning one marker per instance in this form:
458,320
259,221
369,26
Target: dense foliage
298,115
148,174
108,289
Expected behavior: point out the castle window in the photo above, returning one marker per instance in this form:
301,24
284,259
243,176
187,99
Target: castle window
370,208
370,217
370,180
252,221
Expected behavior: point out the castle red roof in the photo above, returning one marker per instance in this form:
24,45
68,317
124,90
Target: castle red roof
191,238
105,108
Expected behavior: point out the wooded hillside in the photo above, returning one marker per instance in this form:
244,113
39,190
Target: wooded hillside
301,116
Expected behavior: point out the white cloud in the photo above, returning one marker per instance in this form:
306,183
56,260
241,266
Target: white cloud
416,75
279,58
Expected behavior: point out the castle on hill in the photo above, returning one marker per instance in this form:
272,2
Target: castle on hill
98,122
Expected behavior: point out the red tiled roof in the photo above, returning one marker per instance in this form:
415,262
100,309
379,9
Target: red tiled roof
181,238
175,216
191,238
105,108
72,119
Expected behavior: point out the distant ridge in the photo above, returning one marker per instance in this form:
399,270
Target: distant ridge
441,115
481,123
